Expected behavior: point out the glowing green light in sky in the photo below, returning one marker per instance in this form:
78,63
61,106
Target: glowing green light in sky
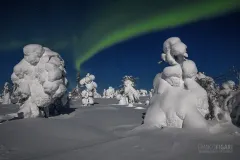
110,22
118,25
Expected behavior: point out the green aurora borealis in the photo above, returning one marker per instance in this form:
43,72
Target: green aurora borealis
111,22
125,24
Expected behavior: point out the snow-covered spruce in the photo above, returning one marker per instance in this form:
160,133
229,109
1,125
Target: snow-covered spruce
151,93
88,93
218,97
178,100
109,93
128,94
96,94
226,93
117,92
6,94
143,92
75,93
122,99
41,81
233,104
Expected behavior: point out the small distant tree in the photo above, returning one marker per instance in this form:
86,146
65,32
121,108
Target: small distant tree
212,92
236,73
78,79
131,78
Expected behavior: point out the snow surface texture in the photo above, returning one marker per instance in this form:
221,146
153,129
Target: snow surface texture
88,93
99,133
178,100
6,94
40,78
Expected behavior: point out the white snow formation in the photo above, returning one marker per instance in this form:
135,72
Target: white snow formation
233,105
6,94
104,93
117,92
122,99
129,91
75,93
227,92
178,100
40,78
219,98
147,102
143,92
96,94
110,92
127,95
151,93
70,95
88,93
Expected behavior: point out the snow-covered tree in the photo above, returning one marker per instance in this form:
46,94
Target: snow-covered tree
110,92
212,89
6,94
128,91
177,99
78,79
236,72
40,79
122,99
96,94
143,92
75,93
104,93
88,93
233,104
218,96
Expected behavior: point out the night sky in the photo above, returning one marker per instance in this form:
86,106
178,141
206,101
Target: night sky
74,30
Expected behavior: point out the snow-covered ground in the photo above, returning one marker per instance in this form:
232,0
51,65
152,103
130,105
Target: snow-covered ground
100,132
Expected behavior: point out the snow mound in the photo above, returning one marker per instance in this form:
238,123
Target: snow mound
139,108
147,102
130,105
